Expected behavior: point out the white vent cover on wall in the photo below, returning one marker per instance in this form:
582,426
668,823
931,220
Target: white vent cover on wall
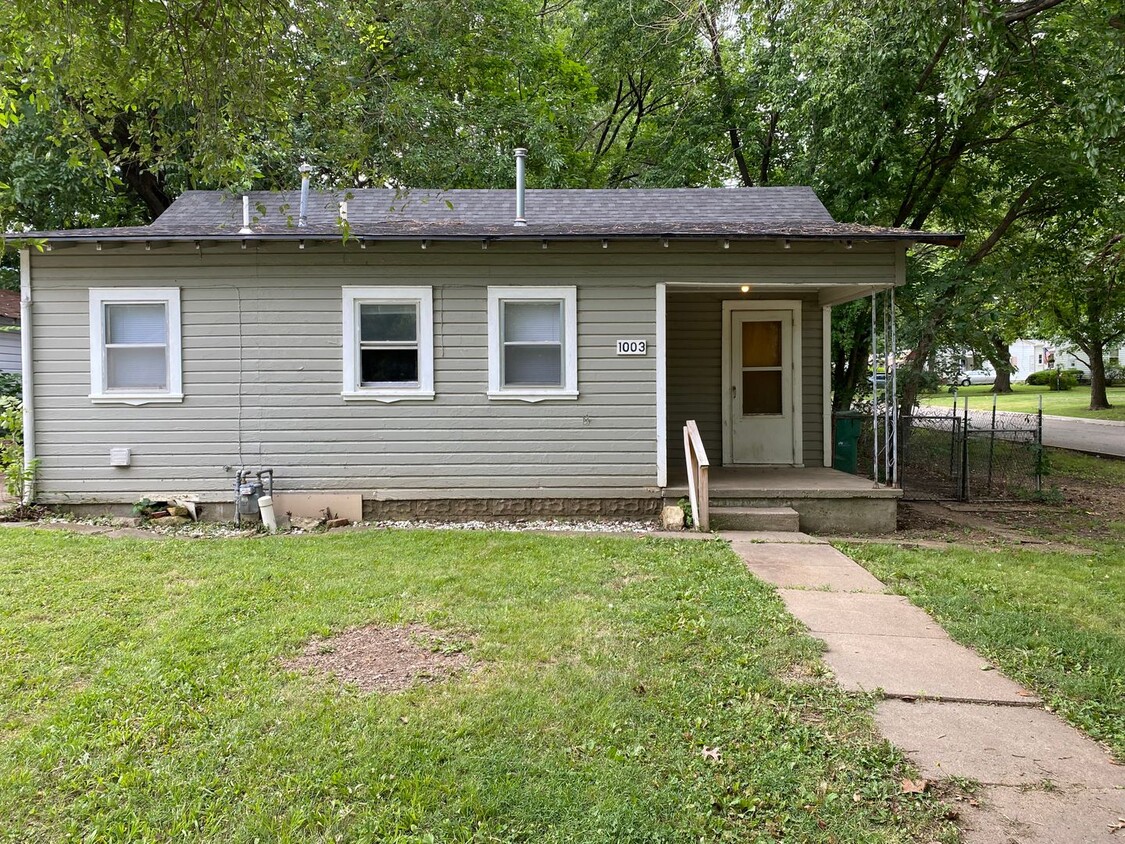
120,457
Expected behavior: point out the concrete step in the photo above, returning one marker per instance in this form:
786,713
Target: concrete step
755,518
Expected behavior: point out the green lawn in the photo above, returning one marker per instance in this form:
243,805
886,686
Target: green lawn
141,697
1053,621
1025,399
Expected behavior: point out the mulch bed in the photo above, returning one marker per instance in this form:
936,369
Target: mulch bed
383,659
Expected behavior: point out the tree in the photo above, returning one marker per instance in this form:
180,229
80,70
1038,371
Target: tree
1082,286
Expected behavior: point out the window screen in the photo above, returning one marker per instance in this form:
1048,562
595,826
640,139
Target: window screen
388,343
136,346
531,334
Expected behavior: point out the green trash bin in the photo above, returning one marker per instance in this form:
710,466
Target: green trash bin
848,425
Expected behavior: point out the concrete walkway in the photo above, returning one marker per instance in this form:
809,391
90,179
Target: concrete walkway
951,712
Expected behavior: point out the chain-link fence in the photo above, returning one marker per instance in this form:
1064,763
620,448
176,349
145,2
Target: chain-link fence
963,454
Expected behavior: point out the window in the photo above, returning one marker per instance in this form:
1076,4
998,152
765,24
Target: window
532,343
135,345
388,343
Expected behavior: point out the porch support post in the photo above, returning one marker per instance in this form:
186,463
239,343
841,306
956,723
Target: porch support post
661,386
826,366
894,392
874,396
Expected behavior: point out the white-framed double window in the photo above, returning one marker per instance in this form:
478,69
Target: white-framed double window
532,343
388,343
135,352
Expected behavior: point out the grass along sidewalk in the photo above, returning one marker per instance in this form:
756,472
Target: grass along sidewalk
1025,399
142,697
1052,621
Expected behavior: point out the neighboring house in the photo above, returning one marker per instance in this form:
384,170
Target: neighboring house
1069,357
1028,356
444,358
9,331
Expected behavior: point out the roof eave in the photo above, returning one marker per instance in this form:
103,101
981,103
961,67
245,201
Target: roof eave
950,239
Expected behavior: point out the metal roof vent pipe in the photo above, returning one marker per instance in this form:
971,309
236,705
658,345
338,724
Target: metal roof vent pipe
245,216
521,178
303,219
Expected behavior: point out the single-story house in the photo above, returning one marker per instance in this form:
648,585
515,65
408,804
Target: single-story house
1029,356
457,353
10,331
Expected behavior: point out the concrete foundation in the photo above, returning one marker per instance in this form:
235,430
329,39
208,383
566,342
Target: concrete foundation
444,509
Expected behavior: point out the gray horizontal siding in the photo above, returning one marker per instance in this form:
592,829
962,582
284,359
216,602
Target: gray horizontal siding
262,375
10,351
262,369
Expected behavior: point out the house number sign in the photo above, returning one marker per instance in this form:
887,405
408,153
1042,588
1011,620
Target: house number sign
632,347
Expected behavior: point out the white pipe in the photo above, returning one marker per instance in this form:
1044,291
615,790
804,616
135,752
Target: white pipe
521,177
303,218
26,372
246,215
269,518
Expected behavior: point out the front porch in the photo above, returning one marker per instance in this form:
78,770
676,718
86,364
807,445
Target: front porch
825,500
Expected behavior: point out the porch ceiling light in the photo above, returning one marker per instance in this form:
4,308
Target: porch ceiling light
726,244
745,288
664,242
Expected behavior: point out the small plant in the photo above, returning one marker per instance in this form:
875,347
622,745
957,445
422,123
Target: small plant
689,517
17,475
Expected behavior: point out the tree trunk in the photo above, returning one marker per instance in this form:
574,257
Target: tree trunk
1001,361
850,369
1098,398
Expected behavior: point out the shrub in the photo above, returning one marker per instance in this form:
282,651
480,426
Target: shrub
1114,376
16,475
1065,380
10,384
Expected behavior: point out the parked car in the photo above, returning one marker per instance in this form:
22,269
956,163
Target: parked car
975,376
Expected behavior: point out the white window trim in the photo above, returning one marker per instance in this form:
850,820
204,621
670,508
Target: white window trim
99,298
569,298
423,297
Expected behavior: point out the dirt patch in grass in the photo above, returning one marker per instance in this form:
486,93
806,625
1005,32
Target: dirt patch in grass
383,659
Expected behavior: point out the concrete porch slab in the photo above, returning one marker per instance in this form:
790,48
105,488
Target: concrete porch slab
917,667
875,615
1067,816
997,745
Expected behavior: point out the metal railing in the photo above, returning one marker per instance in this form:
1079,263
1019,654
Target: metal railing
697,468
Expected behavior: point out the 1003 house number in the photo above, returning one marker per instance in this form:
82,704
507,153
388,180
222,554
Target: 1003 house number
632,347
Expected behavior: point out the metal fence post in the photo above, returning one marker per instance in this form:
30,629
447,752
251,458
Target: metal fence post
965,454
1039,447
991,443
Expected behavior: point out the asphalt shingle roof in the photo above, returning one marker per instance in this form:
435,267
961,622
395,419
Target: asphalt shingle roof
754,213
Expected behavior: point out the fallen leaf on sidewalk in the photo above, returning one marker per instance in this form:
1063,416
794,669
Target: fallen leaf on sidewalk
987,668
1117,827
914,786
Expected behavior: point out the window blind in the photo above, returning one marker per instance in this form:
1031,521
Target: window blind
136,346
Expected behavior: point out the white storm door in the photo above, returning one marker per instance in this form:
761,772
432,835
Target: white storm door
762,392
